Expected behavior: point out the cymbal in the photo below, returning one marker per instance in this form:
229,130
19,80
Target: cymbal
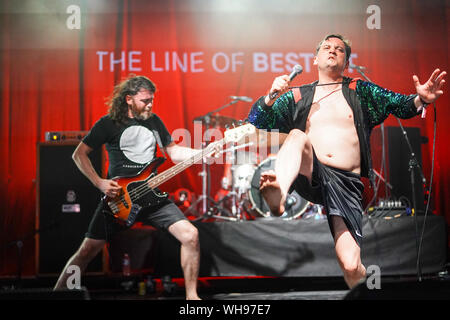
218,121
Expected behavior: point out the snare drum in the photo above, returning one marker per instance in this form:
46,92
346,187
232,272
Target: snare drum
295,205
242,176
242,169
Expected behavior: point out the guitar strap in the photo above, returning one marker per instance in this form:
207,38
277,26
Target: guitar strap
158,140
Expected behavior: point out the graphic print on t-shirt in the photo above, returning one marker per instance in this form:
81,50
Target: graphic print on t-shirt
138,144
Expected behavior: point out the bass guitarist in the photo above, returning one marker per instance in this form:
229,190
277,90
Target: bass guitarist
131,133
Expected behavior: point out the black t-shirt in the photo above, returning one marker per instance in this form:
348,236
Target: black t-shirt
131,146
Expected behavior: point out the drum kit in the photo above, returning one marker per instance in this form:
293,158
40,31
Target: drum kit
239,197
242,197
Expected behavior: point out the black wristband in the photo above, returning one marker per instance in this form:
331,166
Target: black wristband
424,104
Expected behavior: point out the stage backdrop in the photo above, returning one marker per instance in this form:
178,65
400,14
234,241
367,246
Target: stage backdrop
60,60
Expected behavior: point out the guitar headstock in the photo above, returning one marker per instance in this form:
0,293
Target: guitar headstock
236,134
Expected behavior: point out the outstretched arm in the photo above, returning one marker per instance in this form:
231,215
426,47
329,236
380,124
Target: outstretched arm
179,153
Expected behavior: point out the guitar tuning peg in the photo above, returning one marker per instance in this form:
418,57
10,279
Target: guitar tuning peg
227,126
240,122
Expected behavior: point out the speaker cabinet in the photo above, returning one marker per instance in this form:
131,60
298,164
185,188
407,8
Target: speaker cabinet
398,156
66,201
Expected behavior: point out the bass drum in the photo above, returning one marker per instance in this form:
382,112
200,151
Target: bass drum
295,205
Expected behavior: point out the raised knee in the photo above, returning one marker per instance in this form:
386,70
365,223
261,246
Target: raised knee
297,133
298,136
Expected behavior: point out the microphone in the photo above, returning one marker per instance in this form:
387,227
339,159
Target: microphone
295,71
353,66
242,98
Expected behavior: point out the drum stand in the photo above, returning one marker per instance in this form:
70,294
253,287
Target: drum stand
205,197
235,194
208,211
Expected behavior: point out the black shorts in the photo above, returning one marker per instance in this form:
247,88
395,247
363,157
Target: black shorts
339,191
103,225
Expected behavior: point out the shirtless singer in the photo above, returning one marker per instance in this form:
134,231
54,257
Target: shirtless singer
327,149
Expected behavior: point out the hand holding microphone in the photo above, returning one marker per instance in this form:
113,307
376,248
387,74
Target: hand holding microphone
281,84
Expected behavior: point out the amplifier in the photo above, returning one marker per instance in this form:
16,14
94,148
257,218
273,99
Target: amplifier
390,212
65,135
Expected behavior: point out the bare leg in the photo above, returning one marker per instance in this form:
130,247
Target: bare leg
187,234
348,253
295,157
89,248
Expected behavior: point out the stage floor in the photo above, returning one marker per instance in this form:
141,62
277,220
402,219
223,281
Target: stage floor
116,287
270,260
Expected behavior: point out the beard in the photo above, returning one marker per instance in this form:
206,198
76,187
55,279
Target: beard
140,115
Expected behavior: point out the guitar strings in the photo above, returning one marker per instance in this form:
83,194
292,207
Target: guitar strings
145,189
177,168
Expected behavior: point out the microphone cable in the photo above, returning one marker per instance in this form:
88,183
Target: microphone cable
429,190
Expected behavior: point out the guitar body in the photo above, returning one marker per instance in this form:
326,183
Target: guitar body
135,195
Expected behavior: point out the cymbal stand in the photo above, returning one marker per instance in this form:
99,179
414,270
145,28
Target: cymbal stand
205,197
236,191
235,210
230,216
207,209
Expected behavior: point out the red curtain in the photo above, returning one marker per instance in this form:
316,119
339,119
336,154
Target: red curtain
198,53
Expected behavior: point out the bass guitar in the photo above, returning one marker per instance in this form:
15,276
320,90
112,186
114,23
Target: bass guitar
139,191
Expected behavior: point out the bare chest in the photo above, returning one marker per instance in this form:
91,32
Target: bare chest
330,109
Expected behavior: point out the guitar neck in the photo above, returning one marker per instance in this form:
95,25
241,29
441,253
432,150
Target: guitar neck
179,167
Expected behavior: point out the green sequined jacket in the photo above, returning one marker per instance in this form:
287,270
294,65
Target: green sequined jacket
370,103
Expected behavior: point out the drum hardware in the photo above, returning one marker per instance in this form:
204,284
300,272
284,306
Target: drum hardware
234,198
290,201
314,212
182,198
208,204
204,198
295,205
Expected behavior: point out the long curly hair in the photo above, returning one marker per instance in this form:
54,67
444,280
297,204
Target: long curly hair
118,107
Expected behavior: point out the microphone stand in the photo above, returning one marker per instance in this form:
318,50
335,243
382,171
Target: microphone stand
412,165
19,244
